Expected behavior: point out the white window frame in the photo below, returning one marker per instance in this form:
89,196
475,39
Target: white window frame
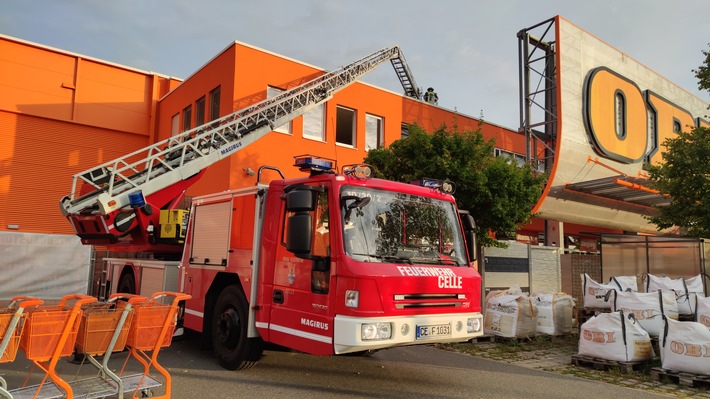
314,123
175,124
353,128
271,92
374,132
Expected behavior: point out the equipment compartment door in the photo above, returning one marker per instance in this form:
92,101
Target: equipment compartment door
210,238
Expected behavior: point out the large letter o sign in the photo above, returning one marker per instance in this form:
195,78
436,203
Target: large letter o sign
615,116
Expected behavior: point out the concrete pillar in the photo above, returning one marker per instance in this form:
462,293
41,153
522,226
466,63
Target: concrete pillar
554,233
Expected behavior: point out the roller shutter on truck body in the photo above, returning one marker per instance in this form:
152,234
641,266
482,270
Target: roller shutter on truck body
210,235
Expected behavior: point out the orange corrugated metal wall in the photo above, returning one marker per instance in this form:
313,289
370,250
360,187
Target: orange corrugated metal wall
39,156
60,114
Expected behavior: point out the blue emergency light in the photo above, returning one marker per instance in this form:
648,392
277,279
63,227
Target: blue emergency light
310,163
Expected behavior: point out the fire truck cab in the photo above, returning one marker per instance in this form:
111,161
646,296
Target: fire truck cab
331,263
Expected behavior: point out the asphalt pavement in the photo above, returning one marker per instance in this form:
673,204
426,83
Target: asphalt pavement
408,372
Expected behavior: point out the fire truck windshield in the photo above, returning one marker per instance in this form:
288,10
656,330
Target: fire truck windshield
389,227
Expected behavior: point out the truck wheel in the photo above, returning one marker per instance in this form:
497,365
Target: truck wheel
229,331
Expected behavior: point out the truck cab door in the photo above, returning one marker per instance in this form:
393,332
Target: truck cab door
301,311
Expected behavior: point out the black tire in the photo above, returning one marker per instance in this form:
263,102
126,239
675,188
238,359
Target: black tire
127,284
229,331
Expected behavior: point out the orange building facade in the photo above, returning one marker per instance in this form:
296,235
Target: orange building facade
63,113
60,114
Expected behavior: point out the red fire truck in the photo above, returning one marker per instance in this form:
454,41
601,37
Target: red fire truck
336,262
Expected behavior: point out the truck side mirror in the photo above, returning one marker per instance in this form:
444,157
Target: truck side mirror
299,233
300,201
300,224
469,229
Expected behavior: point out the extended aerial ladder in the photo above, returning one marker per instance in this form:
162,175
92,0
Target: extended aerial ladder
117,203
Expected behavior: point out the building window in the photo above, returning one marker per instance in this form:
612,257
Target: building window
214,103
314,123
511,156
345,126
676,126
374,138
200,111
175,125
187,118
405,131
273,92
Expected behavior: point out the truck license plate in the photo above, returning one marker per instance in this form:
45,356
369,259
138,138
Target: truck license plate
438,330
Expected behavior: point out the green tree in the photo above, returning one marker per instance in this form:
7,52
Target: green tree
499,194
703,73
684,175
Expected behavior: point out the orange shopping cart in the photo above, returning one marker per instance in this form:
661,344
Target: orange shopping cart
11,324
103,329
49,333
151,329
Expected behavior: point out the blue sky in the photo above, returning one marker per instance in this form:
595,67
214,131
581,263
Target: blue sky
465,49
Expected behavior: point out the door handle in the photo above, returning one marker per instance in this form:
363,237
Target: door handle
278,296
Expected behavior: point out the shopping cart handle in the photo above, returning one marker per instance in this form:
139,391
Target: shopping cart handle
179,296
25,301
130,297
79,298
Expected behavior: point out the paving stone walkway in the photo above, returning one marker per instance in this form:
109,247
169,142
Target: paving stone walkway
554,354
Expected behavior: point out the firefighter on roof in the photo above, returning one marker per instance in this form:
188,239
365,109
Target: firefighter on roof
431,97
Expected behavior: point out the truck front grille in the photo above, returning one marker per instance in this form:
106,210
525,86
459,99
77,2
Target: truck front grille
409,301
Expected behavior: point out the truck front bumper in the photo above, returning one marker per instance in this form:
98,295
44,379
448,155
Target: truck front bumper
349,335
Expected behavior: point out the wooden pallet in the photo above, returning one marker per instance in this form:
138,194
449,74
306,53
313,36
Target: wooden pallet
484,339
605,364
681,378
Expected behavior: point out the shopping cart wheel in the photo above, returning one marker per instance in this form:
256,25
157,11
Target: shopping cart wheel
147,393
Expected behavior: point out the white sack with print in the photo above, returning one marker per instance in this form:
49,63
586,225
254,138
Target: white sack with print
509,314
555,313
595,293
686,290
685,347
626,283
615,336
702,315
648,308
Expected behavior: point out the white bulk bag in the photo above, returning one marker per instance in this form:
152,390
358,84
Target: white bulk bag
510,315
685,347
595,293
615,336
702,315
555,313
686,290
626,283
647,307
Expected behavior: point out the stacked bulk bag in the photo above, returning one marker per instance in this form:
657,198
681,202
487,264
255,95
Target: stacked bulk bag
685,347
615,336
555,313
594,292
509,314
647,307
702,315
687,290
626,283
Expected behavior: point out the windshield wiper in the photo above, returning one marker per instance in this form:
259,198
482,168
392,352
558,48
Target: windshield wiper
436,261
387,258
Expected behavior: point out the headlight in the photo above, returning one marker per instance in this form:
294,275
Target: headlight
376,331
473,325
352,298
